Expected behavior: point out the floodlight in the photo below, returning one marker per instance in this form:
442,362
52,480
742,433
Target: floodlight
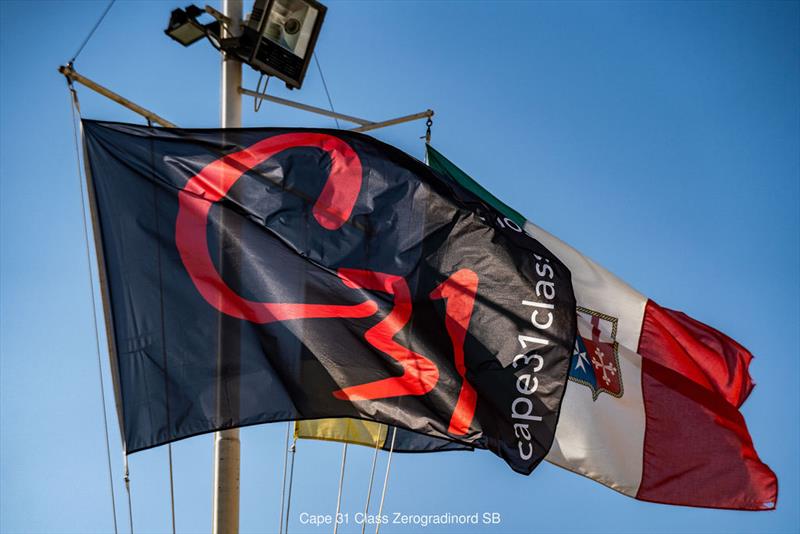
183,25
279,38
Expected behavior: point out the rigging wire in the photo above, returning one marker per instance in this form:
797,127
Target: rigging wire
76,113
163,329
339,495
171,487
258,100
386,480
291,479
327,93
128,491
371,478
283,482
344,448
91,33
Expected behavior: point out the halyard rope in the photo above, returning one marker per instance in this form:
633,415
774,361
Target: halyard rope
128,491
76,113
291,479
385,481
163,330
283,482
344,448
171,487
339,495
371,478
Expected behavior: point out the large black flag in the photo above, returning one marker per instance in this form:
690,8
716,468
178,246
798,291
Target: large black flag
261,275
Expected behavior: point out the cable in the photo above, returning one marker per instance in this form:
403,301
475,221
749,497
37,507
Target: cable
163,327
339,495
171,487
371,478
258,100
325,86
385,481
291,479
128,491
283,483
91,33
76,113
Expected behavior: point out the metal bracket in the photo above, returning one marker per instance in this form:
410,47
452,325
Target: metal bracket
364,125
71,74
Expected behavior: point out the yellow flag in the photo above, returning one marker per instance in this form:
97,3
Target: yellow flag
354,431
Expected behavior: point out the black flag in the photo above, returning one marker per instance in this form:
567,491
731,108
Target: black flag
262,275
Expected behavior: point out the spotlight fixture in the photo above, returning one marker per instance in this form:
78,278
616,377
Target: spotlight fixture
280,36
277,39
183,25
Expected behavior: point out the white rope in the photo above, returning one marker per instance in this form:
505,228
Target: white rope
339,495
291,479
283,482
371,478
76,113
385,481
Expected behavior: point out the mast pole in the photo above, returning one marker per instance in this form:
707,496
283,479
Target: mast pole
226,442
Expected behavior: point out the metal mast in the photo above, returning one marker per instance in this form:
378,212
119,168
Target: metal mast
226,442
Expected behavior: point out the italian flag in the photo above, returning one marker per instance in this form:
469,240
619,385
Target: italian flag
652,404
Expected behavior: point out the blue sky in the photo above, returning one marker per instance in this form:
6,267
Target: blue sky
661,139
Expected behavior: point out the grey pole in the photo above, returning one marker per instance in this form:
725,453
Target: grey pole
226,442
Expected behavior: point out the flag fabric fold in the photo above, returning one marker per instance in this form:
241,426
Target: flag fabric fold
652,406
263,275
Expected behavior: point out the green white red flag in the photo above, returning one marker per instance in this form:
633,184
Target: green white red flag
652,406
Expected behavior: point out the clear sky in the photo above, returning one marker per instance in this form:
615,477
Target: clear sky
661,139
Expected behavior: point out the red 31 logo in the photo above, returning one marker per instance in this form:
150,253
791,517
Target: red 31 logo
331,210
